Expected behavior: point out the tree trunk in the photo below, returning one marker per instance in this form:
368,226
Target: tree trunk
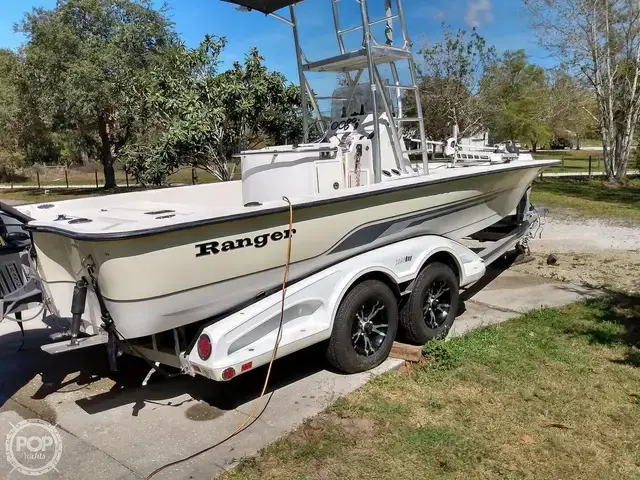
106,153
608,146
84,154
109,174
608,159
622,160
577,142
534,146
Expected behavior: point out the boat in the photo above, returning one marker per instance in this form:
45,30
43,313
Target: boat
156,260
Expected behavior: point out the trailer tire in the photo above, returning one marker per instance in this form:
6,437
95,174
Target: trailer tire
347,349
413,316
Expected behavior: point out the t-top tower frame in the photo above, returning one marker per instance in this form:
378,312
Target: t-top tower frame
353,64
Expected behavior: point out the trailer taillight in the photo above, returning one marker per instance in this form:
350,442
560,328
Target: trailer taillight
204,346
228,373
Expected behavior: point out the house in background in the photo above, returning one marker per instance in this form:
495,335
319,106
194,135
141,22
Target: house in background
476,138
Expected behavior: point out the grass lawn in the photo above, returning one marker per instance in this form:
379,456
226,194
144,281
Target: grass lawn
574,160
554,394
593,198
591,142
568,154
78,176
578,160
33,195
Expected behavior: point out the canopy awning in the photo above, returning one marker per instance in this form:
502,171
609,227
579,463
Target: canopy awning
264,6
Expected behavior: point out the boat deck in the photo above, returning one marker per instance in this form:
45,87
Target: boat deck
153,211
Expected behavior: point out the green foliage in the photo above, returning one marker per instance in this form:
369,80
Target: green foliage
24,135
9,110
450,82
181,119
9,65
82,63
635,158
520,96
258,106
110,79
599,41
463,83
202,118
573,108
441,355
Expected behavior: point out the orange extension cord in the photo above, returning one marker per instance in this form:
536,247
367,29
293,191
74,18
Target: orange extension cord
250,417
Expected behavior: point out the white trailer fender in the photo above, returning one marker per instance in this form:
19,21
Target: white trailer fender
245,339
470,267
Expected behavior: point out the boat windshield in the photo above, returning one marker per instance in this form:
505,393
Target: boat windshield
361,101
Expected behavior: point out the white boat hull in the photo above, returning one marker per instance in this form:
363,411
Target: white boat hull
166,280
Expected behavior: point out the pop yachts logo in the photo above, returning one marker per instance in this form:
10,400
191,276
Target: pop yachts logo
33,447
258,241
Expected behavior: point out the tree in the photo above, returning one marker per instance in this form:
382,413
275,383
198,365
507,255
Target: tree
571,103
520,97
201,118
599,39
9,108
181,116
259,106
450,82
85,59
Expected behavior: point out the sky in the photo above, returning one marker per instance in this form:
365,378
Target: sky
503,23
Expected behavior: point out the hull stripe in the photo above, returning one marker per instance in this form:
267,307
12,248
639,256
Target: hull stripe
363,235
99,237
354,244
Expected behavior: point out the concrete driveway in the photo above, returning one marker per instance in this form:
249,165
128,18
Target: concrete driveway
114,428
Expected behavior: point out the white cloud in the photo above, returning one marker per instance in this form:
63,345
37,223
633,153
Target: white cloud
440,15
478,12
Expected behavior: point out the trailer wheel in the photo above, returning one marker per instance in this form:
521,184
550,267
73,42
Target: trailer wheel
364,328
432,306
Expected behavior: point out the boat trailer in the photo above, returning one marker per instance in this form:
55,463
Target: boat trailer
224,347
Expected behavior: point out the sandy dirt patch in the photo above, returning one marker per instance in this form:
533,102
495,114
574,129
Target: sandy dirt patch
618,270
567,232
593,252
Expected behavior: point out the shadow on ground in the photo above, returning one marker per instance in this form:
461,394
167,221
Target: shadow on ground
618,323
30,377
218,396
493,271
